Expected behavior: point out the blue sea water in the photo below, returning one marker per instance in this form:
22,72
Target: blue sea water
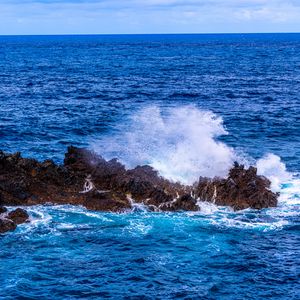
187,104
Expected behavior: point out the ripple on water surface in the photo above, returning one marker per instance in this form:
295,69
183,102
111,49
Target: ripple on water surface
57,91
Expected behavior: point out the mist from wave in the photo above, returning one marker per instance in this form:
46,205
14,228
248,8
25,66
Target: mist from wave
182,144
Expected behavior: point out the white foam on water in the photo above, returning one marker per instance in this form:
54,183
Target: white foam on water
137,228
137,207
290,192
207,207
284,182
182,144
38,215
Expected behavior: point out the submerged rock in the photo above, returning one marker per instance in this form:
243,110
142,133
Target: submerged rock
87,179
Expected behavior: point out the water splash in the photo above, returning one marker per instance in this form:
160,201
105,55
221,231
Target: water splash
181,143
273,168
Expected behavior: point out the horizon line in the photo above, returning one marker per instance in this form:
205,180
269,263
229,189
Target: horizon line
123,34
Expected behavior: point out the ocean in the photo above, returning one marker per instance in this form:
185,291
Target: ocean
188,105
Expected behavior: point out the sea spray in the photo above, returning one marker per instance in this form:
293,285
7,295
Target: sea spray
181,143
274,169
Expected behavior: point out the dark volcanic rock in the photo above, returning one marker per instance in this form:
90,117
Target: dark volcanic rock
241,189
3,209
9,221
18,216
87,179
106,201
7,225
185,202
141,183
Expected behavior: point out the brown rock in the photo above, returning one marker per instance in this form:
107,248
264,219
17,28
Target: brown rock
18,216
242,189
87,179
106,201
6,225
185,202
3,209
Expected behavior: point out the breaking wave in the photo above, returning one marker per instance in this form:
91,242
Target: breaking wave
273,168
181,143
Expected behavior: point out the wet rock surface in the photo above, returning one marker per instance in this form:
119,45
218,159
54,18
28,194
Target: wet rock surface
3,209
242,189
87,179
10,220
6,225
18,216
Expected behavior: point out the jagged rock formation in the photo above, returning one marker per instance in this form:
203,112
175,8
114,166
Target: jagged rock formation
241,189
87,179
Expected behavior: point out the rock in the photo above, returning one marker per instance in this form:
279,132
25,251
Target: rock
242,189
183,203
9,221
6,225
88,179
106,201
3,209
142,183
18,216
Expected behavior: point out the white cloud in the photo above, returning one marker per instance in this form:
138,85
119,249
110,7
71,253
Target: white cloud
148,16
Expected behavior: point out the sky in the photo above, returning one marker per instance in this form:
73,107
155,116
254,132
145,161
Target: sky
148,16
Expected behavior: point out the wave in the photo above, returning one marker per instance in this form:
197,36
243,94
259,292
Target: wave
273,168
54,220
181,143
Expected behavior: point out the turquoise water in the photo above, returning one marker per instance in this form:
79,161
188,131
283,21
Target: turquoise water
68,252
189,105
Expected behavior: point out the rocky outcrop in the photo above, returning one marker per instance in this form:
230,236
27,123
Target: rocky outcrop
184,202
242,189
10,220
87,179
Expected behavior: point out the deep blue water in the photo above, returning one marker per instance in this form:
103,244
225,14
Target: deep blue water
146,96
